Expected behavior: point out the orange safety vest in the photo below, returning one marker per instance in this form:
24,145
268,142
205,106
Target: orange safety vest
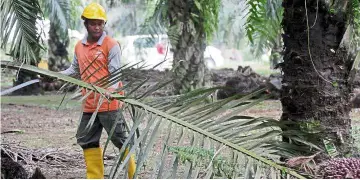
91,72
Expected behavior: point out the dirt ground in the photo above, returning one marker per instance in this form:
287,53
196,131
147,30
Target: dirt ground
47,138
50,134
44,130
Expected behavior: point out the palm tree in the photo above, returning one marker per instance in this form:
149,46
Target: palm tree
185,136
58,12
63,14
316,83
189,25
194,129
311,109
20,37
58,59
316,69
263,28
125,16
231,22
194,119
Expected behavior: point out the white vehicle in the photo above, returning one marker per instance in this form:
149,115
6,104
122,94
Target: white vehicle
152,50
213,57
145,49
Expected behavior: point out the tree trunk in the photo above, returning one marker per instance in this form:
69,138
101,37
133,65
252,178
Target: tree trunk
58,55
315,88
188,62
276,57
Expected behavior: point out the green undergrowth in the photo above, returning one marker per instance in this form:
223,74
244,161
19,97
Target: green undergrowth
48,101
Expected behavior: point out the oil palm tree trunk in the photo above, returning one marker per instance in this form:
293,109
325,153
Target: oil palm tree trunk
58,54
276,57
57,57
315,89
188,64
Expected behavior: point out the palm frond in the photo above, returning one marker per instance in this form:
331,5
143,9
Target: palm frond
58,12
208,15
204,15
76,8
157,19
19,29
263,25
231,23
226,132
194,138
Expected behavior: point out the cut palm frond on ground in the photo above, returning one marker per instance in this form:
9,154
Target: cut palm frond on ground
250,146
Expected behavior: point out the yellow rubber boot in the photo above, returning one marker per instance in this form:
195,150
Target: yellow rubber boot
94,163
132,165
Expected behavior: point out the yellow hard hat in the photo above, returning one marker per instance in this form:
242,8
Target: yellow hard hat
94,11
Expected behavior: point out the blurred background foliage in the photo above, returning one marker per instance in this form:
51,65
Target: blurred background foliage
127,17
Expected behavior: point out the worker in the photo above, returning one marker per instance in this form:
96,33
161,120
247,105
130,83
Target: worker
105,52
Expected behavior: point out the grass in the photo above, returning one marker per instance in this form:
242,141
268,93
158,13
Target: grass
48,101
6,78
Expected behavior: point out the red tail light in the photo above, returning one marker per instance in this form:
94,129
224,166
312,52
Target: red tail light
160,48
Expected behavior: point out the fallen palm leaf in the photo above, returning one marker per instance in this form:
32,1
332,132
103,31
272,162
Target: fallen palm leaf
250,165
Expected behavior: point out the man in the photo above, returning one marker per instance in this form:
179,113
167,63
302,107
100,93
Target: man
96,56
